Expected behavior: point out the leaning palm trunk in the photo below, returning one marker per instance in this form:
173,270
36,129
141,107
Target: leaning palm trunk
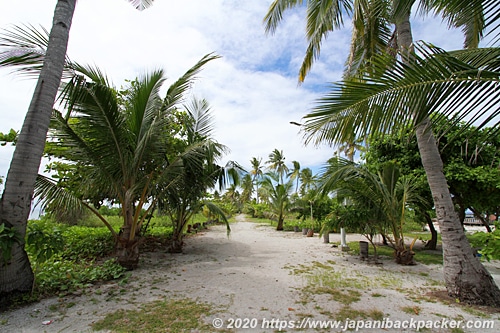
465,277
16,200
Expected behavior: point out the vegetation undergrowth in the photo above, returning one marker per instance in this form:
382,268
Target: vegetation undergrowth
422,256
174,315
66,258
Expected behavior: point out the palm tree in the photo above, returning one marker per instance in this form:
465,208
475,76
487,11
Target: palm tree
445,83
123,141
295,174
387,192
19,186
257,173
320,127
277,163
278,196
307,179
247,186
184,194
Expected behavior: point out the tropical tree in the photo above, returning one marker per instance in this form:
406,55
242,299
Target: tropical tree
247,186
277,195
321,126
307,180
433,91
16,199
276,162
185,193
125,142
257,173
387,192
295,174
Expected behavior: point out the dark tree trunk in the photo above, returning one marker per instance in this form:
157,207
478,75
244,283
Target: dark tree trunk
432,243
176,245
19,186
177,239
482,219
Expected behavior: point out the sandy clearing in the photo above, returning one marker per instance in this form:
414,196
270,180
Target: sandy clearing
248,275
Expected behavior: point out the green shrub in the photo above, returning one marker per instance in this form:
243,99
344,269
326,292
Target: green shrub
43,242
86,242
60,275
487,242
8,236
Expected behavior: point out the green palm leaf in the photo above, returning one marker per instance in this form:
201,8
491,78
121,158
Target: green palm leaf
178,88
436,82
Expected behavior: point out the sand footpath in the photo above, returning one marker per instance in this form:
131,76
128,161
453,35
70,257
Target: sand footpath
261,274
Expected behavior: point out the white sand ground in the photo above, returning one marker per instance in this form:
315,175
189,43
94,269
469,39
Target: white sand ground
249,275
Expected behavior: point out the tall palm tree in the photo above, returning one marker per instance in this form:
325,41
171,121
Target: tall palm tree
442,83
307,180
247,186
276,162
257,173
468,15
295,174
16,199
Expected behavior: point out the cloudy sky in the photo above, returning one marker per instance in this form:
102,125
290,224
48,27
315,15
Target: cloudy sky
252,89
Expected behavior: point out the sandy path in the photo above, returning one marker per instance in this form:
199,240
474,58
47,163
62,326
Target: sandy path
249,276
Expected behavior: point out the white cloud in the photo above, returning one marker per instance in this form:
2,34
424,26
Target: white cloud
252,89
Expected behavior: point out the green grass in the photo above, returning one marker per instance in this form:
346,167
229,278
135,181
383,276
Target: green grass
174,315
422,256
288,224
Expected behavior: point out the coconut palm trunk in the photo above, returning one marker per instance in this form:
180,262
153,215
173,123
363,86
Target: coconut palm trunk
465,277
16,199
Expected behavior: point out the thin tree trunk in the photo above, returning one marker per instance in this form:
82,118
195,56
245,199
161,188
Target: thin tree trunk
465,277
482,219
281,220
19,186
432,243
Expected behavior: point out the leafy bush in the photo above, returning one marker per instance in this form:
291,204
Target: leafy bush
85,242
256,210
110,211
60,275
488,243
8,236
42,242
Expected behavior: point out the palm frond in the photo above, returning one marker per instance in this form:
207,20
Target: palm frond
177,90
217,211
370,35
436,82
469,15
47,191
146,120
322,18
141,4
275,12
200,113
23,48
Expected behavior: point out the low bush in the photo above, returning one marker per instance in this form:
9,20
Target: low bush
87,243
488,243
61,275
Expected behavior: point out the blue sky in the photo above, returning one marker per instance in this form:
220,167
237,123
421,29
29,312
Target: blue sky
252,89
